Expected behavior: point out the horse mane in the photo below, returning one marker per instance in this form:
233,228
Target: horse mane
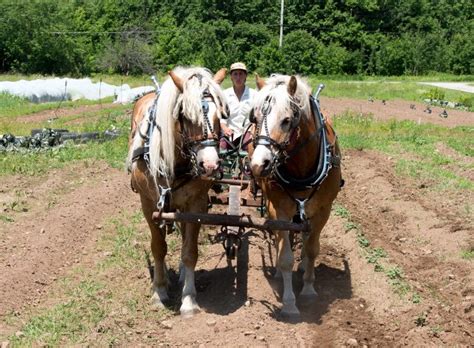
135,99
170,103
276,88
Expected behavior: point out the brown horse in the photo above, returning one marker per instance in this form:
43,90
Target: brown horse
296,161
173,144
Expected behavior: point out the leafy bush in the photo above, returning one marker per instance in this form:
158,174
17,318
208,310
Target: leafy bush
435,93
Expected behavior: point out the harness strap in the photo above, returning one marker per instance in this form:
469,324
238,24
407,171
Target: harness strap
327,156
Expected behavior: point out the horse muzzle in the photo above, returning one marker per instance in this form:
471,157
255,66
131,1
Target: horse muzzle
261,163
209,168
263,169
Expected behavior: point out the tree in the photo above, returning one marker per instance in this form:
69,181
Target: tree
129,55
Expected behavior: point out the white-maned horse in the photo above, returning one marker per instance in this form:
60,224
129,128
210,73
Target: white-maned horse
296,160
180,128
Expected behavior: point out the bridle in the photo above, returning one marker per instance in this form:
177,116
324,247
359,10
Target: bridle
327,156
192,144
280,155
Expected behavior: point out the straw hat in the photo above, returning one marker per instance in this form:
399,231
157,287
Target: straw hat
238,66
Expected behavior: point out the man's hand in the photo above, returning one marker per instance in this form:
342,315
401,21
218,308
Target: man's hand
226,130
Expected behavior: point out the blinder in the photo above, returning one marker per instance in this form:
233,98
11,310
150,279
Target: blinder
266,140
252,118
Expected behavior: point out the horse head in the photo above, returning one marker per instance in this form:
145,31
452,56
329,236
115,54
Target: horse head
191,134
279,106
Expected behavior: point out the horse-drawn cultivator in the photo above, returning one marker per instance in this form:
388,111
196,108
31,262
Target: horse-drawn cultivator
291,173
234,189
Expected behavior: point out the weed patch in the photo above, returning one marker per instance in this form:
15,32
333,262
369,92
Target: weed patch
377,256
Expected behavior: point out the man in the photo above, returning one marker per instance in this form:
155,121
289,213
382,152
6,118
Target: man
239,99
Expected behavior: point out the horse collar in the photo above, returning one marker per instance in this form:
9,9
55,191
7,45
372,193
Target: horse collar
325,163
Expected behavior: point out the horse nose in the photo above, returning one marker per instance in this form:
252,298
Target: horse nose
267,165
261,169
209,168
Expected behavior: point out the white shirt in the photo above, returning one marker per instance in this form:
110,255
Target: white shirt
239,109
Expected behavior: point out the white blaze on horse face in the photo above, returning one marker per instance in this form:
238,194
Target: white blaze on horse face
262,157
208,157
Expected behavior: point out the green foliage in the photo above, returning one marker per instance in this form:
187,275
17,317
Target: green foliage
467,254
341,211
323,37
435,93
421,320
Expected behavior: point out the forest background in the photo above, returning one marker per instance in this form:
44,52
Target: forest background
364,37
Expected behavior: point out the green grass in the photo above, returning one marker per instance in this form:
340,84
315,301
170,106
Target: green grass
65,322
413,146
13,106
467,254
389,90
124,252
437,77
40,161
85,121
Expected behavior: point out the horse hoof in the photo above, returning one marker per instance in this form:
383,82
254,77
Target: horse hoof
308,292
189,313
156,303
157,300
290,312
189,307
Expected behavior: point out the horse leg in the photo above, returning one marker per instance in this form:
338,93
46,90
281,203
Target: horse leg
302,265
182,228
285,262
159,249
311,251
277,268
189,254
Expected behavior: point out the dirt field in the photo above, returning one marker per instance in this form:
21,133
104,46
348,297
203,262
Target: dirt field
421,232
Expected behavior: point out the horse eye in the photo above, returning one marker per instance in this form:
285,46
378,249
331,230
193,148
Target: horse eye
286,123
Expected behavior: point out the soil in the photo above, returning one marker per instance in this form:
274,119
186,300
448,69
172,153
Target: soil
59,218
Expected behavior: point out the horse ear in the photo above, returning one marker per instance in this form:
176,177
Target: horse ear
220,76
292,86
260,82
177,80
